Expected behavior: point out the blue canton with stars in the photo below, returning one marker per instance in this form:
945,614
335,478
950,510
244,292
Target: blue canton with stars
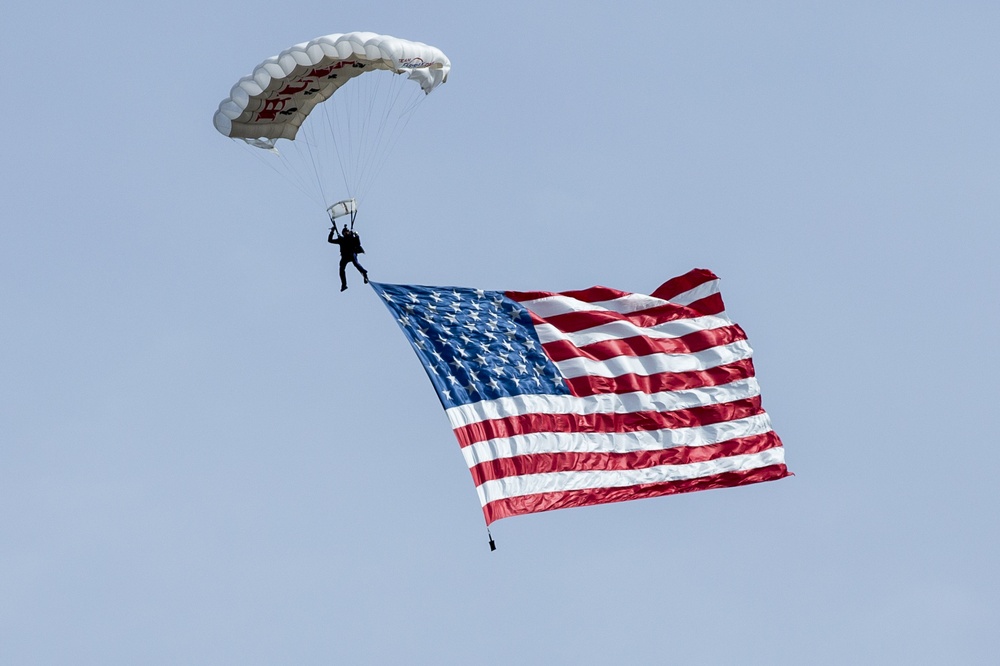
475,344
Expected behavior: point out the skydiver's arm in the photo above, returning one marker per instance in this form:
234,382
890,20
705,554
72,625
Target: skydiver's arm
330,238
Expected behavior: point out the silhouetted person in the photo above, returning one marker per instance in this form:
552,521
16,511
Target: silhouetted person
350,247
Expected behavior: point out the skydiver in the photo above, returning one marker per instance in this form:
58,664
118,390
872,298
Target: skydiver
350,247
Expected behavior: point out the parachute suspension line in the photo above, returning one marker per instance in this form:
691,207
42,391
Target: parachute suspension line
315,157
385,109
297,167
269,163
364,99
351,113
364,121
368,89
328,116
406,100
308,140
362,111
358,134
401,121
377,144
341,113
383,90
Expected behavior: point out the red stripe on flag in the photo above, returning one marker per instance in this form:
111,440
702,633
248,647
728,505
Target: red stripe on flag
641,345
521,296
527,424
678,285
710,305
578,462
666,291
515,506
664,381
595,294
572,322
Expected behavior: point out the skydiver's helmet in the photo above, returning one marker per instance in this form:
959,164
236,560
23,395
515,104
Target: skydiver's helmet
346,231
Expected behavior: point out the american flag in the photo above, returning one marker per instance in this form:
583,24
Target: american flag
586,397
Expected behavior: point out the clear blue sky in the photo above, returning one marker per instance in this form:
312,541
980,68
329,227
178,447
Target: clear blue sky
208,455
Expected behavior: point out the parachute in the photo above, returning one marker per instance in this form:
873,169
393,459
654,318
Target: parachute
336,103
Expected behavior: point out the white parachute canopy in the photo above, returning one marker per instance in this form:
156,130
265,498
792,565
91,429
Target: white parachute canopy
327,112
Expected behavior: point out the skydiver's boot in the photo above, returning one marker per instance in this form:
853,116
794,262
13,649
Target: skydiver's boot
365,274
343,287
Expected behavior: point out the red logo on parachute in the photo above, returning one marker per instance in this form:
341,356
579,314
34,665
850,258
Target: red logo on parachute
326,71
272,107
291,90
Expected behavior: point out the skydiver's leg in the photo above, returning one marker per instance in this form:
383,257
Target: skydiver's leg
343,272
361,269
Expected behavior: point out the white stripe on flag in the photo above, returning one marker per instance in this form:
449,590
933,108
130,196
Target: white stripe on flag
604,403
616,330
652,364
703,290
557,304
631,303
615,442
531,484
